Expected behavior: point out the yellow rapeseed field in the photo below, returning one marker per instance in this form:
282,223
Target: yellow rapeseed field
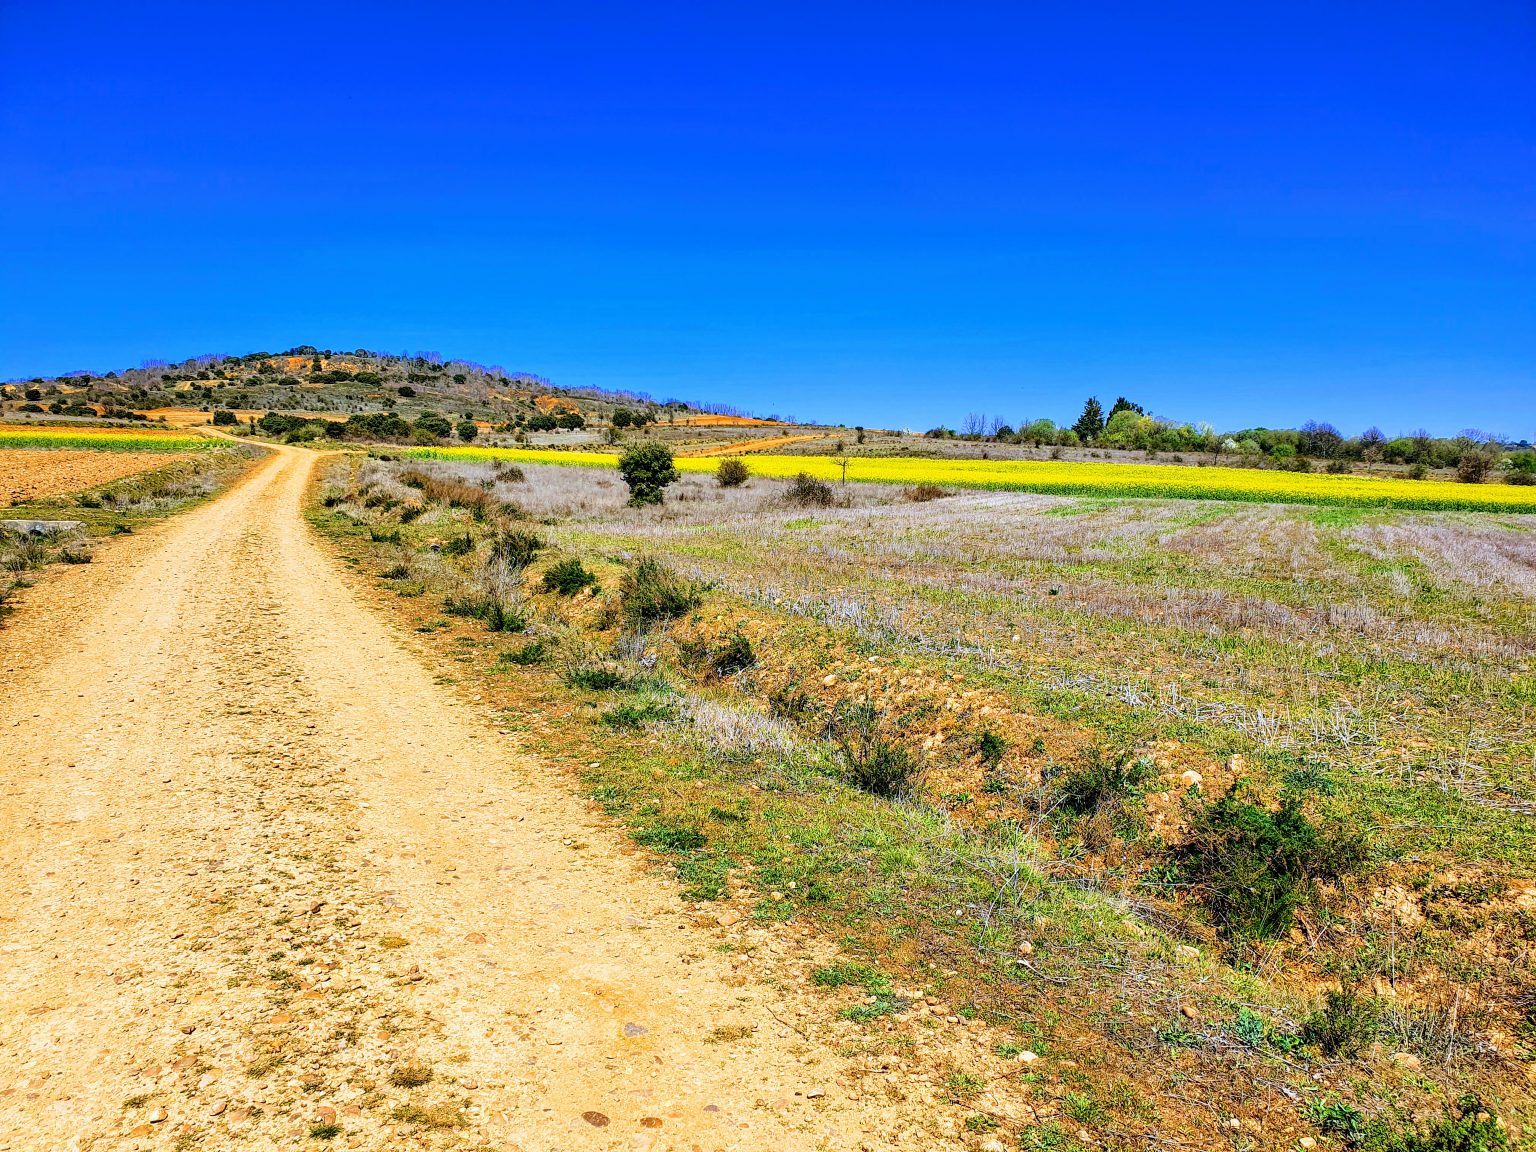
101,439
1153,481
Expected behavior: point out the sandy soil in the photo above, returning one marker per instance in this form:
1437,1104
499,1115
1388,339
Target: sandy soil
27,474
263,869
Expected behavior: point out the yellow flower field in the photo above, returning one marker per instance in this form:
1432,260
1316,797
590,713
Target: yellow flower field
1153,481
101,439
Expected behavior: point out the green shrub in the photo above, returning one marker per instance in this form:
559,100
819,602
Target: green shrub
809,492
533,652
498,615
874,763
516,548
735,655
990,746
1104,785
647,468
223,418
653,592
1343,1025
467,430
635,716
461,545
1254,868
732,472
595,678
568,577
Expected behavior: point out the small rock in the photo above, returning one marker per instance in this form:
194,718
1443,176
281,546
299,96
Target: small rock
218,1108
1026,948
1191,779
142,1130
635,1030
1307,1142
1407,1060
829,680
475,938
157,1116
1189,1013
1187,952
727,918
596,1119
650,1121
1026,1057
993,1145
188,1029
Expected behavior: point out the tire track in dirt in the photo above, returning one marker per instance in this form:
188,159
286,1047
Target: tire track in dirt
267,876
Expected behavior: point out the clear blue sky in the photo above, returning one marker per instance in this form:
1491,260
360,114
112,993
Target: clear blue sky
889,214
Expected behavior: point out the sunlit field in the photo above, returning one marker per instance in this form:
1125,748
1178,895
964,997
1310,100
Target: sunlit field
102,439
1148,481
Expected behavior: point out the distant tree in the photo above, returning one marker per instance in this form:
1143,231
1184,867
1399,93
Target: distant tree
1091,422
1321,440
467,430
1121,404
647,468
33,394
225,418
433,425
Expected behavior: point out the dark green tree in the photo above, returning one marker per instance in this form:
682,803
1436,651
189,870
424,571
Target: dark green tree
1091,422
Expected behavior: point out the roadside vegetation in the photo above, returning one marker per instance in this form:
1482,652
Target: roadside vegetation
1222,809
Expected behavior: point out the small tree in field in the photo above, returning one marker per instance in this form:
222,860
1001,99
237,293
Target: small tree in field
467,430
647,468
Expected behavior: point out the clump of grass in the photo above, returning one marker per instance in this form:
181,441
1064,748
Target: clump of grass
653,592
324,1131
922,493
410,1074
735,655
486,605
460,545
444,1115
1343,1025
674,838
961,1087
533,652
595,677
568,577
515,547
728,1034
990,747
873,762
633,717
847,974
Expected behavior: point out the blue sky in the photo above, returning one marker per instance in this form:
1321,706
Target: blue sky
884,214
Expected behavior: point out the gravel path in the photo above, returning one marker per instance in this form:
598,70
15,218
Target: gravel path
268,883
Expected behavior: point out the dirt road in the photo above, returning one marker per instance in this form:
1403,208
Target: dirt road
264,875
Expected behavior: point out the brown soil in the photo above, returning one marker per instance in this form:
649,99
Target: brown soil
265,871
28,474
767,444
